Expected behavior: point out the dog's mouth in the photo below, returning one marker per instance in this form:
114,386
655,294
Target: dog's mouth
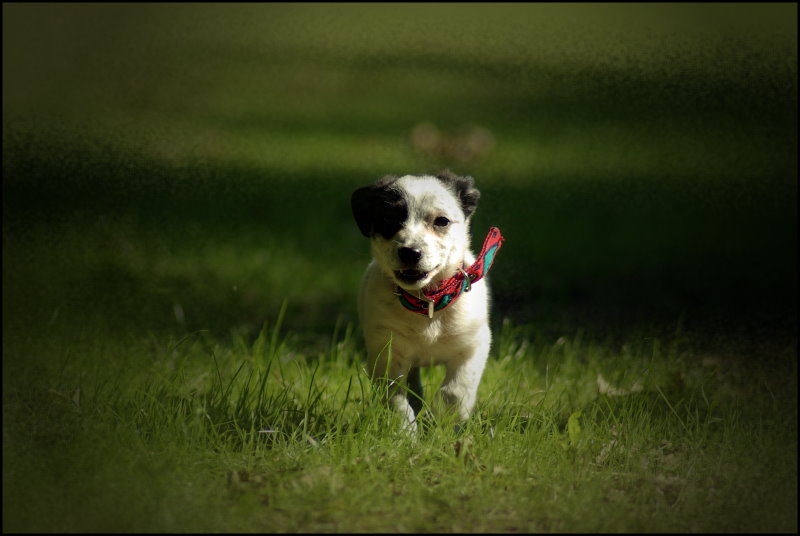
410,276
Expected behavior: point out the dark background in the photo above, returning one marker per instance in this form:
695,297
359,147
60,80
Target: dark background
640,160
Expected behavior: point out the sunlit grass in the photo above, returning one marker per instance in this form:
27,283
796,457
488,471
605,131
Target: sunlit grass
257,434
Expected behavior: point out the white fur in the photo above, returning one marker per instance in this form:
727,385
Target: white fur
457,337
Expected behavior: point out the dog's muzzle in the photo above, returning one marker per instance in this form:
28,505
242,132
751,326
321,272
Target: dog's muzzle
410,276
410,258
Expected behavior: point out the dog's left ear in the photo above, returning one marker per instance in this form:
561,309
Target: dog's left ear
465,190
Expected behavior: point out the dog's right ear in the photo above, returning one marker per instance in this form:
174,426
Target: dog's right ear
379,208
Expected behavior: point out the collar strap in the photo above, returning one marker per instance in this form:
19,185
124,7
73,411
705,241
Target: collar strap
450,289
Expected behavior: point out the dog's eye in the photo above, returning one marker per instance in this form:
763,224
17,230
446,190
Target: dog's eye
441,221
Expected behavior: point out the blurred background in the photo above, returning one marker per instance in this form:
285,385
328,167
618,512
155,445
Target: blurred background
177,167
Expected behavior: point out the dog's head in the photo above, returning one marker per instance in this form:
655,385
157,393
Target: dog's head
418,225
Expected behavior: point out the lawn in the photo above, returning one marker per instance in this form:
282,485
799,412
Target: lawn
181,350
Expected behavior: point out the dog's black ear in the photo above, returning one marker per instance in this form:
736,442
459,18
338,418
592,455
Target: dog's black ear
464,187
379,208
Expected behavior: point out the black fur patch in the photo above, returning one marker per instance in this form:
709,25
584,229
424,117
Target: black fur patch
379,208
464,188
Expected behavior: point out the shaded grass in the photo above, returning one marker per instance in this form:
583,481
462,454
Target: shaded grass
218,241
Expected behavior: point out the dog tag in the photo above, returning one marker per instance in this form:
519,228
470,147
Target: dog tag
467,279
430,309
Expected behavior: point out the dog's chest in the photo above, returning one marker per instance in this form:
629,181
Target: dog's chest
447,335
428,332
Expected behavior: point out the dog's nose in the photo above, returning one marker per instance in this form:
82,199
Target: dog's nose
409,256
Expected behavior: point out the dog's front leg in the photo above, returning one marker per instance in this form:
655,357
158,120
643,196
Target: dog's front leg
391,376
459,390
399,402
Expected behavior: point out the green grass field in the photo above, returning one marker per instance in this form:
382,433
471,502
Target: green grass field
181,351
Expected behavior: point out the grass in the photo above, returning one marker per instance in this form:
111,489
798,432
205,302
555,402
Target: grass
180,345
205,434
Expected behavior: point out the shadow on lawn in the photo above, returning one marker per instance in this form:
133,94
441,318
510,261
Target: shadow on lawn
599,250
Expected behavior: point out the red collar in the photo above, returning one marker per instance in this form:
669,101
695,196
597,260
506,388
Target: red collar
450,289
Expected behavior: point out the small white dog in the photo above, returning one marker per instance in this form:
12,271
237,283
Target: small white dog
420,301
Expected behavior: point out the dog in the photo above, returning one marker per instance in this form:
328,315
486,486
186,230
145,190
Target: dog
421,301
